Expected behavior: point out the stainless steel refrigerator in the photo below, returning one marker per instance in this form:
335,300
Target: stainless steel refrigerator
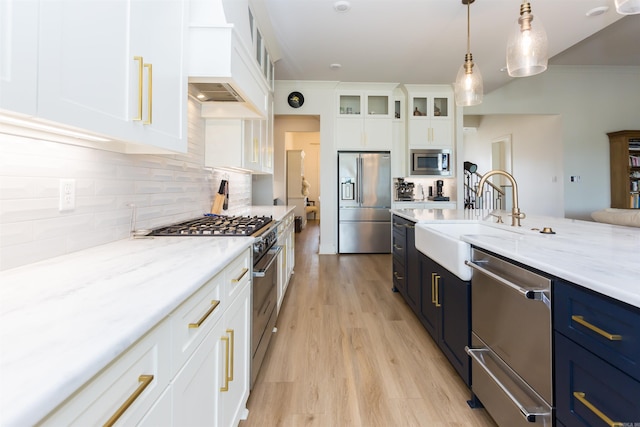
364,201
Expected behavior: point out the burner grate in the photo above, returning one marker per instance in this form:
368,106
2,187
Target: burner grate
216,226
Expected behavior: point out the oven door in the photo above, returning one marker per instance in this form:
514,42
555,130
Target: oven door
265,276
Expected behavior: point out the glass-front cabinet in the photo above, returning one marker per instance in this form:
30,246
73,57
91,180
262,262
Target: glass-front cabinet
431,113
365,114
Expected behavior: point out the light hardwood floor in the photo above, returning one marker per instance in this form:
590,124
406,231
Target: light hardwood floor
349,352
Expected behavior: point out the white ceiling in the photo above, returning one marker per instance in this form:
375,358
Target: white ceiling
424,41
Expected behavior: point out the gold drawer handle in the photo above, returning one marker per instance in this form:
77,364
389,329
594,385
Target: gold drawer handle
433,287
437,286
140,68
594,328
395,273
237,279
231,357
214,304
225,387
582,398
144,380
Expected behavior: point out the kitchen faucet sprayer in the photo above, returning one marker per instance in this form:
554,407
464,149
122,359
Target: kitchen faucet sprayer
516,215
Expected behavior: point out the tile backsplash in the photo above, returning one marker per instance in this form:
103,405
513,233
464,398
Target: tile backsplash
164,189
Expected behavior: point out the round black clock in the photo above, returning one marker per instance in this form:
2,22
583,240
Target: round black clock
295,99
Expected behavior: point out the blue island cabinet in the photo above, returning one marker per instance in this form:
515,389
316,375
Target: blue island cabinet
445,313
438,298
597,359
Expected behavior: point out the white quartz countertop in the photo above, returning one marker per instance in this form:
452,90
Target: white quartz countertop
602,257
277,212
64,319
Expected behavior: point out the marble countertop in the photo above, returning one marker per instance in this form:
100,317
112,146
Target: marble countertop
66,318
602,257
277,212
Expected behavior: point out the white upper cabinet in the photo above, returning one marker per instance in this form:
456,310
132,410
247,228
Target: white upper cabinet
430,115
365,116
238,143
115,68
18,55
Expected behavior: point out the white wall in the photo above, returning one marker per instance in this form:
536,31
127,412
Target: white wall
537,163
165,189
319,100
591,101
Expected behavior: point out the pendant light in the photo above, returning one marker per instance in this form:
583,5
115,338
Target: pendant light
468,86
628,7
527,46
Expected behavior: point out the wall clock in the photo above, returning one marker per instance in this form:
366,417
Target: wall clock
295,99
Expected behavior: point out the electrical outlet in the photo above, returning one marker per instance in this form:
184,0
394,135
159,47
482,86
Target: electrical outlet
67,195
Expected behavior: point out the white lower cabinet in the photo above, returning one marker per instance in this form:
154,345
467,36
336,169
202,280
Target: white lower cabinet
126,390
286,258
196,387
211,388
235,363
160,413
192,369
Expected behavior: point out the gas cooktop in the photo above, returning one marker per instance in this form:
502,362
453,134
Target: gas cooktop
216,225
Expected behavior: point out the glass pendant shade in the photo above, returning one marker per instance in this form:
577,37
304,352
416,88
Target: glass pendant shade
468,86
628,7
527,46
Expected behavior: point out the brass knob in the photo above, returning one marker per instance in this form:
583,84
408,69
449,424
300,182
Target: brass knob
547,230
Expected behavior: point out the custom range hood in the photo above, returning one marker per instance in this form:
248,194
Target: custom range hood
223,75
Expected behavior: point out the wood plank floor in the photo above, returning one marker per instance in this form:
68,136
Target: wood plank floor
349,352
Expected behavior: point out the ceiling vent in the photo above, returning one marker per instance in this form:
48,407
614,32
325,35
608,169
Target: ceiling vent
214,92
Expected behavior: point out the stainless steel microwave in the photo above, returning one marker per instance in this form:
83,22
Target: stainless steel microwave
431,162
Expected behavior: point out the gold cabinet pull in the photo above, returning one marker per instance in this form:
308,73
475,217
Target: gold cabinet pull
231,356
225,387
214,304
594,328
437,286
144,381
140,68
149,68
395,273
237,279
581,396
433,287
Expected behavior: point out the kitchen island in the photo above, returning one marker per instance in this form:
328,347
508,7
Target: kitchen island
592,303
65,320
601,257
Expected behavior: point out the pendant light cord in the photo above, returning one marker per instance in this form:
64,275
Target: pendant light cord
468,26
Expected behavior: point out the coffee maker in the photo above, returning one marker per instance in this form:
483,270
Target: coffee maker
439,197
404,189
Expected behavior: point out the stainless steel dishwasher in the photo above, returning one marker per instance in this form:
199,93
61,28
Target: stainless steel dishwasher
511,341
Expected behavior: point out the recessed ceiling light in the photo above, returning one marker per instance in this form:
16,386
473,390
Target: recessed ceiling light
597,11
342,6
335,66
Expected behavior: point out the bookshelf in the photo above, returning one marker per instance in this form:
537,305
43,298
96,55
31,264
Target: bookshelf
624,150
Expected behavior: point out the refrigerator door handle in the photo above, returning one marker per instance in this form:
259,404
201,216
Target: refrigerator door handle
359,181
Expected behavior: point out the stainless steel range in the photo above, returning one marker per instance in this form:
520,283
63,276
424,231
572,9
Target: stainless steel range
265,253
